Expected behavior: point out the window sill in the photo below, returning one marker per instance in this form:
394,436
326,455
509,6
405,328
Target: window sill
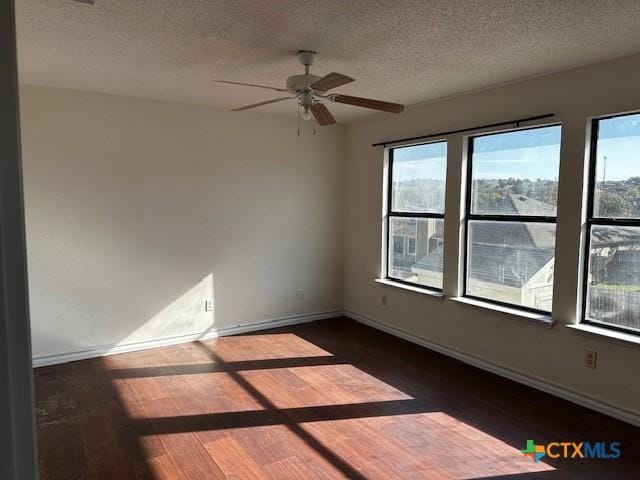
540,319
410,288
606,333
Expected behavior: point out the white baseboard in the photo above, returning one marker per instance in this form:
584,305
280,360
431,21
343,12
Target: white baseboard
526,379
104,350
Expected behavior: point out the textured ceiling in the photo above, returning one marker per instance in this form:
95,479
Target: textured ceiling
401,51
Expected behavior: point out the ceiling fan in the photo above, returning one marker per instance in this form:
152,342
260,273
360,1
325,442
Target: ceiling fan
311,90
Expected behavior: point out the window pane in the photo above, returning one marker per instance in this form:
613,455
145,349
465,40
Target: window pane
421,261
512,262
516,173
617,182
419,178
613,288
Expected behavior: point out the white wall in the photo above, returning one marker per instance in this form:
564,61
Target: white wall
554,356
138,210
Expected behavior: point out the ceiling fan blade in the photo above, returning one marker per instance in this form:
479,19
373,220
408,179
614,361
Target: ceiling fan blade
368,103
322,114
259,104
252,85
332,80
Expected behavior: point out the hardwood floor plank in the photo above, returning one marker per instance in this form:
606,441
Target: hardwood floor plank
184,449
162,468
233,459
105,455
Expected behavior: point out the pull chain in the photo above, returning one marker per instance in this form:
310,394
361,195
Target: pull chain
298,119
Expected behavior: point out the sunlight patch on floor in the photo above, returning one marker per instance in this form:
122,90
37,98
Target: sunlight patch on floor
263,347
435,441
323,385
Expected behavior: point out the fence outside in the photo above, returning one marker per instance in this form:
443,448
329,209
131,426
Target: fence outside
617,306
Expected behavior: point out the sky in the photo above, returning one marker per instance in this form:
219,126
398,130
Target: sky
532,154
619,142
420,161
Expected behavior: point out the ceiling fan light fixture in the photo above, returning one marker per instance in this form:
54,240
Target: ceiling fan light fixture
306,113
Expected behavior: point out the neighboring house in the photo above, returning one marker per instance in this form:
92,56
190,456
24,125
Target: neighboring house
615,257
412,240
512,263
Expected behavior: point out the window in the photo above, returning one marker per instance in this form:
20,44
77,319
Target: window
415,222
512,194
612,261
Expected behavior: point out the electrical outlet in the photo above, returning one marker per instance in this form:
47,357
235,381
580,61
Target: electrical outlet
300,294
383,300
208,305
591,359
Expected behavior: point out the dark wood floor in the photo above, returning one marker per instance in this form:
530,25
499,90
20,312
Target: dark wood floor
331,399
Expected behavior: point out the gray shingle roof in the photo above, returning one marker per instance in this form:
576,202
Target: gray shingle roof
506,253
499,264
528,206
615,236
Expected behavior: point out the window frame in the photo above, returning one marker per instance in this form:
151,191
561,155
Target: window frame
591,221
470,216
410,215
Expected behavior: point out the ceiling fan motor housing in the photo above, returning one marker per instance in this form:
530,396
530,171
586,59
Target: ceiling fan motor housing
300,82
